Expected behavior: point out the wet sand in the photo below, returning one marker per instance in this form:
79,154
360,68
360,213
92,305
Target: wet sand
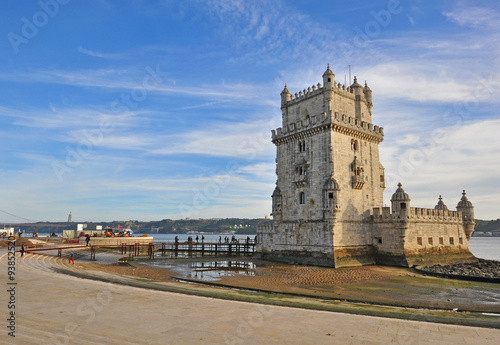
384,285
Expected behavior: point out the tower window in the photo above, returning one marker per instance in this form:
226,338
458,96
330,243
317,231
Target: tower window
329,80
403,205
302,146
330,195
302,199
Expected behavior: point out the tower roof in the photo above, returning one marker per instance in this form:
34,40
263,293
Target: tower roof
328,72
400,194
285,90
440,205
356,84
464,202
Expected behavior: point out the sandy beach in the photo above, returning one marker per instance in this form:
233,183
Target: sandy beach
54,308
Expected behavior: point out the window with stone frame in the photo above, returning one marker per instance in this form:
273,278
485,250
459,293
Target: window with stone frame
302,198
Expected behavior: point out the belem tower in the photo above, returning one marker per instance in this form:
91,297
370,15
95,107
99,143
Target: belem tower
327,206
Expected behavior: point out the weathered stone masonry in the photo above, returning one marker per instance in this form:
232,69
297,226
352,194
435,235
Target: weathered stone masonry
327,204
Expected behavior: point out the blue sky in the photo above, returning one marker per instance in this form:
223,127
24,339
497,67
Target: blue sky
119,110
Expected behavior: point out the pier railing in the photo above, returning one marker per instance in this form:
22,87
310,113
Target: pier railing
173,247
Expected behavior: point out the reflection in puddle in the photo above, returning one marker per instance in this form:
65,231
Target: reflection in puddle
208,270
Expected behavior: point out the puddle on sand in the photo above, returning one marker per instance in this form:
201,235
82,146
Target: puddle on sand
208,270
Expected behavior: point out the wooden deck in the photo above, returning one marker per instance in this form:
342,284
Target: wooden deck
163,248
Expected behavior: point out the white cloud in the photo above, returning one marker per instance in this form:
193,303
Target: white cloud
99,55
474,16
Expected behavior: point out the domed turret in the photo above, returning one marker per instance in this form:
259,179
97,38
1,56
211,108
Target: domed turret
464,202
328,78
276,206
400,194
400,201
440,205
356,87
368,94
286,96
465,206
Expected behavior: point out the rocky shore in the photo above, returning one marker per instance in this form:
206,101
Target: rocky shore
480,269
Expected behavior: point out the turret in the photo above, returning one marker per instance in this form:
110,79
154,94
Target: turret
467,209
368,95
440,205
356,87
277,206
328,78
400,202
286,96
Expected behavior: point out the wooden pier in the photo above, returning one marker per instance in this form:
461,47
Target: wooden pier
186,248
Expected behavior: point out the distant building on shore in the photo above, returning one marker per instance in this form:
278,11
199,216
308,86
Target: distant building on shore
327,206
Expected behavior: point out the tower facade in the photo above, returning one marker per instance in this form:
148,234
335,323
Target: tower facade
329,173
327,205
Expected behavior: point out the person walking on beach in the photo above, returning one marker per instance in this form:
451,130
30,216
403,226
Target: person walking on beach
22,250
72,258
87,239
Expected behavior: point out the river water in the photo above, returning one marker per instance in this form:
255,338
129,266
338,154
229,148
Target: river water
482,247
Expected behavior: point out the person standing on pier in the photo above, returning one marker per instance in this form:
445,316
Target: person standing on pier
202,238
197,238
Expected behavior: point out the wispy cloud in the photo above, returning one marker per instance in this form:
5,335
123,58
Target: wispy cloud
99,55
474,16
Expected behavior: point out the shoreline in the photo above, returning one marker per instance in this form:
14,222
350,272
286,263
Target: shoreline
139,276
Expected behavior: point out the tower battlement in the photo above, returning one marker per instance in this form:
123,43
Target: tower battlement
337,122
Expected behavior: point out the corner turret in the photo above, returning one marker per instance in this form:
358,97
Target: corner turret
400,202
328,78
277,202
467,209
368,95
286,96
356,87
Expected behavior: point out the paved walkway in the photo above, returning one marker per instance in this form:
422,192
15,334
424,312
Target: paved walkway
52,308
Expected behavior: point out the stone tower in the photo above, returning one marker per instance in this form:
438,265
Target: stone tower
327,205
329,175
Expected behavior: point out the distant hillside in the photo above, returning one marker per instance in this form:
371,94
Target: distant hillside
165,226
487,226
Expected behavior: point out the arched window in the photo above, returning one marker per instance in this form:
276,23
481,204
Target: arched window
302,199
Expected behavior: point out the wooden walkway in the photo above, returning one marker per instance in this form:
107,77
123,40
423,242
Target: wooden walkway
164,248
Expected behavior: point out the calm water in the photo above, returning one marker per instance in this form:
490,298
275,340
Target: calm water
481,247
485,247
